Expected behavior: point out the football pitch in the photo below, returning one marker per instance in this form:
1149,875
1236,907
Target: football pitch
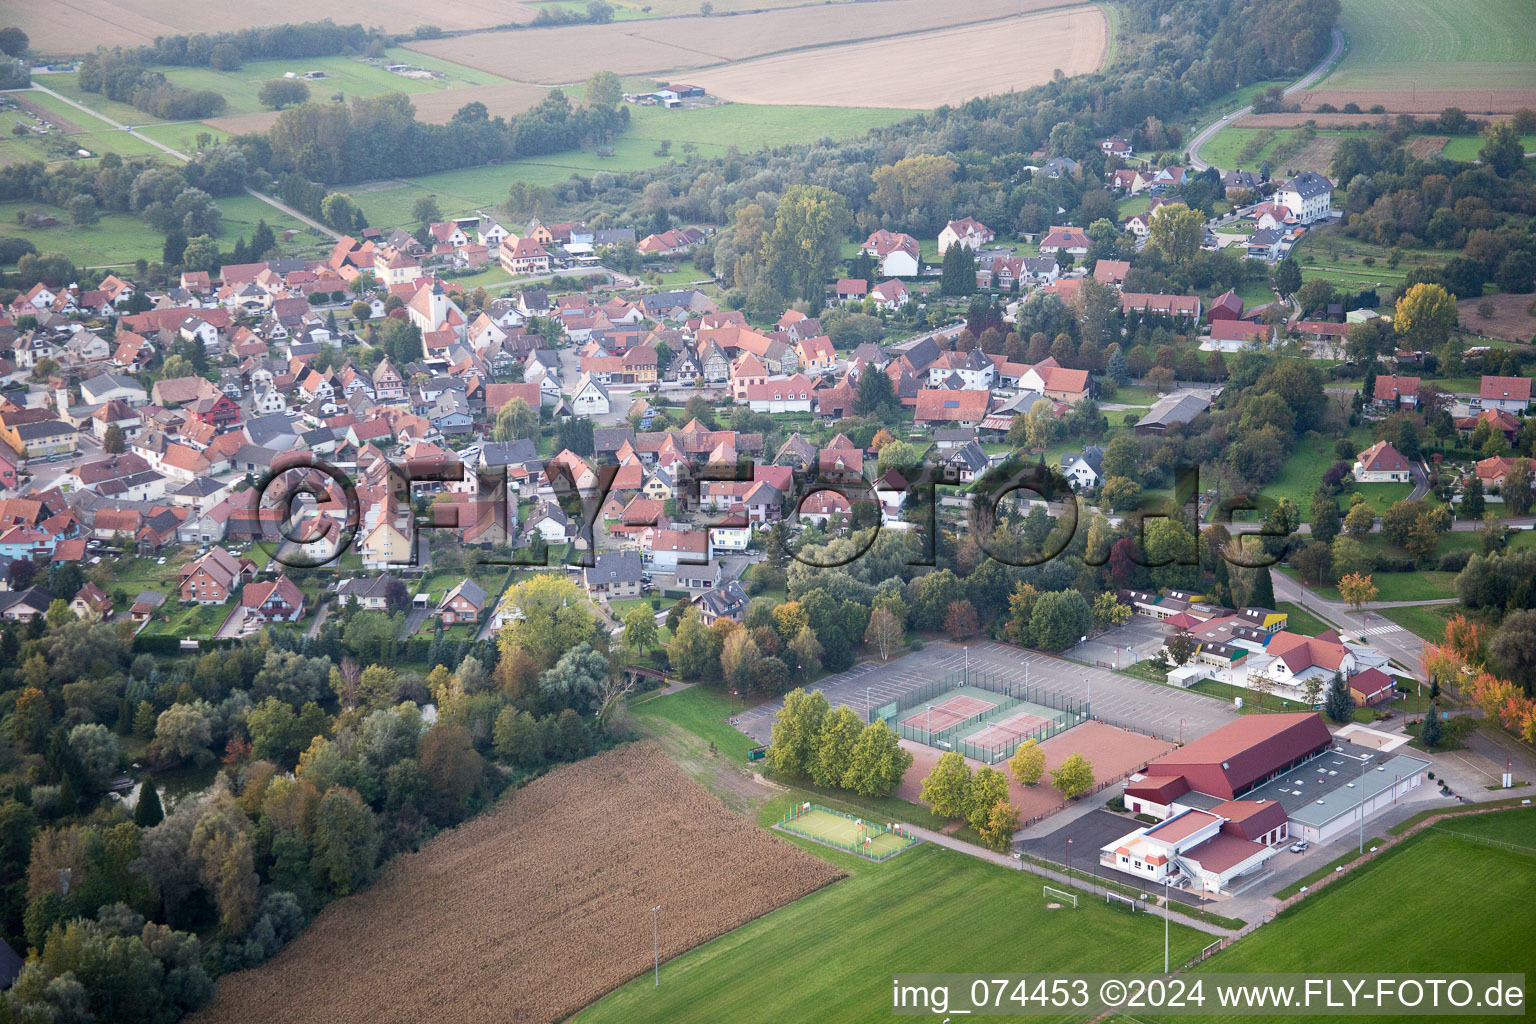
1455,897
830,957
867,839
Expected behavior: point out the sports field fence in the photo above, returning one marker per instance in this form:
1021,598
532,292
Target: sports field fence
1065,713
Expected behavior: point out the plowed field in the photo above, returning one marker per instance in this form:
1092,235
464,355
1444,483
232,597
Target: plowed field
533,910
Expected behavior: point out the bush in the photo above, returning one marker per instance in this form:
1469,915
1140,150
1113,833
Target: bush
1454,561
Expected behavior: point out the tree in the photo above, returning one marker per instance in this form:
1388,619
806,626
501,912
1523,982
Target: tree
113,442
877,762
1325,517
1516,489
796,731
1175,231
1314,562
1027,765
1288,276
989,787
14,42
554,617
695,650
947,788
805,243
515,421
1513,648
277,93
1181,647
876,395
997,831
1357,590
1425,317
739,658
517,738
95,750
1359,520
1432,731
425,210
885,633
577,680
346,843
1502,149
82,210
639,630
1074,777
1337,702
959,271
604,89
960,620
183,732
1262,595
175,244
147,813
1108,611
263,240
1059,619
1472,505
840,732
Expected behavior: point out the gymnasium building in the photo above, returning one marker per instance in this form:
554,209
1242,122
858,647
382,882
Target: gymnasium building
1230,799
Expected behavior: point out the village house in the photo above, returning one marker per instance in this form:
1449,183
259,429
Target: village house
968,232
278,600
464,603
898,254
1382,464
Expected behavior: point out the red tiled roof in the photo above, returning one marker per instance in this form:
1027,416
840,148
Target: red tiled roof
1381,457
1512,388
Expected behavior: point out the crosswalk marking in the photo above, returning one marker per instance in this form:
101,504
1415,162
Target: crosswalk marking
1381,630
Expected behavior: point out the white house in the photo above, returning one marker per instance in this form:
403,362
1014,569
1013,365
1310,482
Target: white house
1197,845
898,253
1510,394
1309,195
590,397
1382,464
783,394
1084,469
968,232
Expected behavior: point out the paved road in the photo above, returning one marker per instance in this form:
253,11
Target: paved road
1117,699
1399,644
1305,81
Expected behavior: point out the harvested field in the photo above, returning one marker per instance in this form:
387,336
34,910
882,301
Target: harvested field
56,27
31,106
571,53
1425,146
532,911
1368,122
1000,56
1510,321
1110,750
1435,44
1314,156
1420,101
438,106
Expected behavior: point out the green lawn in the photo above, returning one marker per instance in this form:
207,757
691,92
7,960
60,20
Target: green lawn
194,621
1325,254
1400,586
1301,474
1392,914
346,75
1255,293
1299,620
1130,206
1465,147
1427,622
1434,44
702,712
829,956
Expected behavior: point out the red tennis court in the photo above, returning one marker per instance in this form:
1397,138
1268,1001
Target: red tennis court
942,716
1006,730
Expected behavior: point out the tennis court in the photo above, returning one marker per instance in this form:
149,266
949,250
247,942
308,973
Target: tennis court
995,734
938,717
871,839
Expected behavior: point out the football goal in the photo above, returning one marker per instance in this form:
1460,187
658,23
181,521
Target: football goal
1114,897
1061,896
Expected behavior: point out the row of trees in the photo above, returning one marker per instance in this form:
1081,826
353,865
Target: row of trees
834,748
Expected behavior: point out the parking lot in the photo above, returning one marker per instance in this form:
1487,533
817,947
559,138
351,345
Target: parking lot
1119,646
1120,700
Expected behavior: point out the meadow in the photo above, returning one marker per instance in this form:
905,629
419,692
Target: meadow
119,238
1465,147
348,76
1435,44
829,956
1441,901
711,131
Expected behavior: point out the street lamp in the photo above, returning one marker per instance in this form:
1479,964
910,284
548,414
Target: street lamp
1165,919
1364,761
1069,861
1181,732
930,723
656,943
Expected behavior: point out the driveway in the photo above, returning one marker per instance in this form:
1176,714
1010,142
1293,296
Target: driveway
1163,711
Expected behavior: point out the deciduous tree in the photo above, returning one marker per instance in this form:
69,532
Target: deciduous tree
1074,777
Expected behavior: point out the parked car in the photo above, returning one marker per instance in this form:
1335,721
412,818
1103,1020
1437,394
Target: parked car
1300,847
